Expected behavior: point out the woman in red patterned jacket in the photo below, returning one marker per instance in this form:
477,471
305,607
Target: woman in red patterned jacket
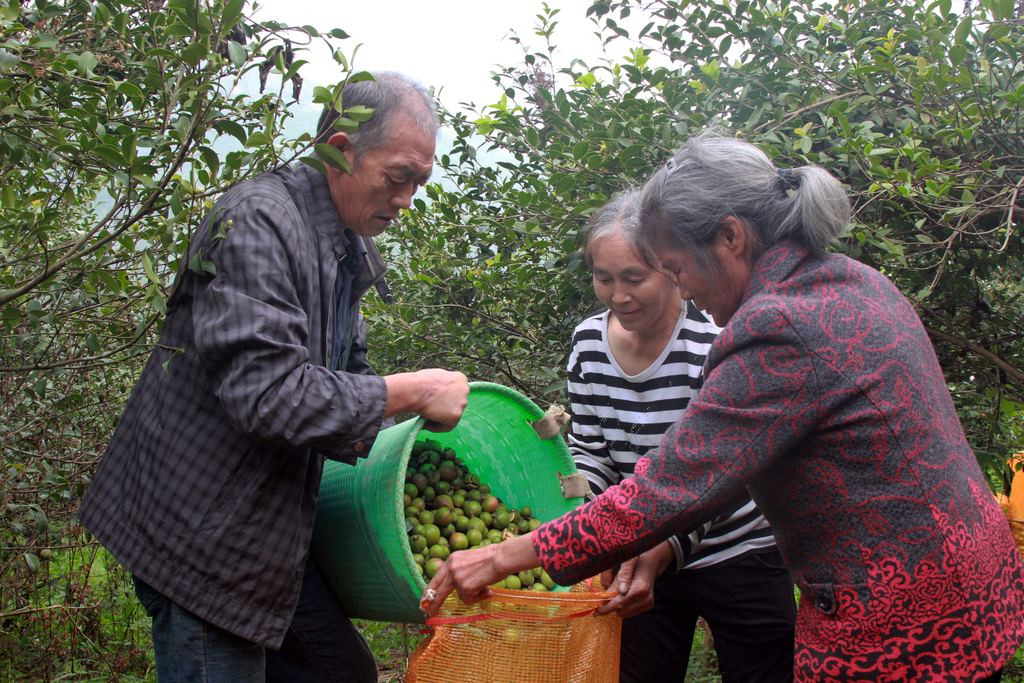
824,399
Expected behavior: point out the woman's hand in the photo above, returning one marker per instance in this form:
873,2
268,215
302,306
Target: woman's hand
471,572
635,582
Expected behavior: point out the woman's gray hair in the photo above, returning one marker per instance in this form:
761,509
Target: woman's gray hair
712,177
620,215
388,93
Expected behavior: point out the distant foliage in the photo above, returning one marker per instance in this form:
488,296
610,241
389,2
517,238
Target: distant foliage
915,108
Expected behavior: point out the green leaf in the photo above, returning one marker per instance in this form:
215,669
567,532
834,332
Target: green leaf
294,69
129,89
257,140
711,69
359,113
532,137
86,63
112,283
147,265
236,53
232,128
211,160
360,76
46,41
175,201
957,54
313,162
177,29
322,95
195,53
8,60
189,12
33,562
230,16
200,267
92,342
346,125
998,32
332,156
580,149
11,11
963,30
111,154
166,365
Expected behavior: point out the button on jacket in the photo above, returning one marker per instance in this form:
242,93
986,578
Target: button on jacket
208,488
824,399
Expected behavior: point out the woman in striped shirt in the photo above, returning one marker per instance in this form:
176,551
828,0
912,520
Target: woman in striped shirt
632,370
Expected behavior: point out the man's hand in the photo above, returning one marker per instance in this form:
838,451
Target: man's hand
438,395
635,582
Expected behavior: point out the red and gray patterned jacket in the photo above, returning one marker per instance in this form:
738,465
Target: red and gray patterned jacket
823,397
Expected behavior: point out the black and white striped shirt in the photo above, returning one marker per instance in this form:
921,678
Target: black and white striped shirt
617,418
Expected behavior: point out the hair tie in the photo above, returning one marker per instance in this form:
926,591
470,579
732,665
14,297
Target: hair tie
670,166
790,179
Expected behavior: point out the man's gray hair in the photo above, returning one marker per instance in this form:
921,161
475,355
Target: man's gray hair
390,92
712,177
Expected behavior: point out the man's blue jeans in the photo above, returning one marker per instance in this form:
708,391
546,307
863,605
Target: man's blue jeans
322,644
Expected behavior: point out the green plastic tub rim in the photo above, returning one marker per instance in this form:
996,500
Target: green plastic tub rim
357,606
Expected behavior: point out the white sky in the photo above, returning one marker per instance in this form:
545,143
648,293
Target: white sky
452,45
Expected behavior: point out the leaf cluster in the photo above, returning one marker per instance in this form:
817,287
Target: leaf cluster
915,108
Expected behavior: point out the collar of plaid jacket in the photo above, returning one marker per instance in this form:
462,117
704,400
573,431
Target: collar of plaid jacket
325,214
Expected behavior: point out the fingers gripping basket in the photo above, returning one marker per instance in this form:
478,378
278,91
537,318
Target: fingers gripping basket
360,537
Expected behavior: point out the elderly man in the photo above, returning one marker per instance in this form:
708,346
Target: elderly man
208,488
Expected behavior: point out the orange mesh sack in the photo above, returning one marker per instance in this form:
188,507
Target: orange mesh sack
521,637
1013,505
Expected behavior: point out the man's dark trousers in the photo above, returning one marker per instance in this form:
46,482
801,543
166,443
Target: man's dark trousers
322,644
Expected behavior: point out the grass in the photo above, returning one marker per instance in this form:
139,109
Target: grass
77,619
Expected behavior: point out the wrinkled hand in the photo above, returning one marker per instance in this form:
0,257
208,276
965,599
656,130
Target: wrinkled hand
635,582
444,400
438,395
471,572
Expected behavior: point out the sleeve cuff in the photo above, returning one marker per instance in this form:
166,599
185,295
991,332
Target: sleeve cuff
677,563
369,422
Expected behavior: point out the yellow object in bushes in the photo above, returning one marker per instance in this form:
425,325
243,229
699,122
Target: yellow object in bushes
1013,506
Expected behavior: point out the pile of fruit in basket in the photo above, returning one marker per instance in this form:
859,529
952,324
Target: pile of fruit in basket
448,508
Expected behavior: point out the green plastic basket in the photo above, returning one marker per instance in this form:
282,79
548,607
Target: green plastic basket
360,539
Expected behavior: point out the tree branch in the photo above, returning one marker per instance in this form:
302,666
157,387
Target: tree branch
974,348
